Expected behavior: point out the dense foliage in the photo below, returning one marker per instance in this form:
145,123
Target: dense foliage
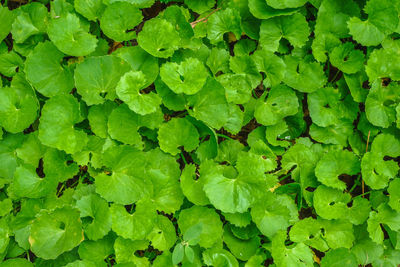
200,133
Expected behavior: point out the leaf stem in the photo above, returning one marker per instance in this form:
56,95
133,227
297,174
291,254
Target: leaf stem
224,136
183,158
194,23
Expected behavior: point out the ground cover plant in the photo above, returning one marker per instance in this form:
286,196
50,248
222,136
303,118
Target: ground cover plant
199,133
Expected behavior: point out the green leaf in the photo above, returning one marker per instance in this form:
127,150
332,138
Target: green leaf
96,251
309,232
335,163
125,251
9,63
18,105
19,262
382,19
118,21
297,255
45,73
159,38
274,213
134,226
339,257
218,60
6,19
333,17
187,77
192,235
176,133
381,103
123,185
330,203
68,35
261,10
189,253
123,125
28,184
237,87
140,60
394,194
306,77
221,22
193,188
31,19
90,9
210,104
270,64
383,215
163,236
281,102
178,254
200,6
293,28
241,249
286,3
380,65
59,132
97,77
129,90
219,257
98,118
376,171
95,216
55,232
347,59
211,230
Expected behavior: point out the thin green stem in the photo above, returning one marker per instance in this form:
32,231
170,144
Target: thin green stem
183,158
363,194
357,182
224,136
284,177
334,77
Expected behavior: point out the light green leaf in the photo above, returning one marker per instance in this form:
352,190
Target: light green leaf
59,131
296,255
219,257
261,10
119,19
6,19
293,28
221,22
176,133
135,226
31,19
335,163
187,77
159,38
140,60
210,105
281,102
97,77
55,232
123,185
18,105
273,213
95,214
129,90
270,64
303,76
123,125
45,73
68,35
347,59
90,9
211,232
